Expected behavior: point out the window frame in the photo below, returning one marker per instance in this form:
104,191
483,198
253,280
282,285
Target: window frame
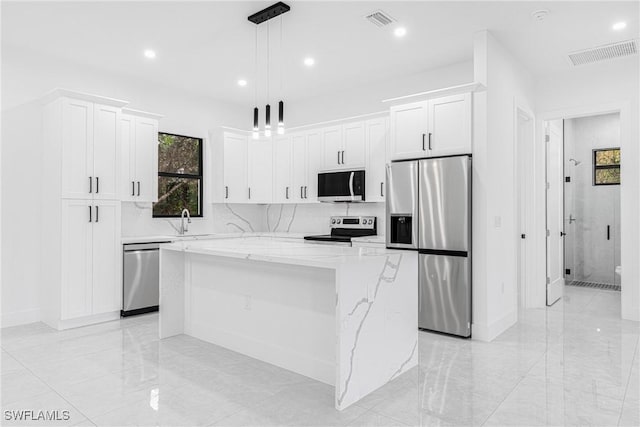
185,175
597,167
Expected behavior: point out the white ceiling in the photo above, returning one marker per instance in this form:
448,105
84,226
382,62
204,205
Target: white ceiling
204,47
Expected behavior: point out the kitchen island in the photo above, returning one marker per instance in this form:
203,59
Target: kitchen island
344,316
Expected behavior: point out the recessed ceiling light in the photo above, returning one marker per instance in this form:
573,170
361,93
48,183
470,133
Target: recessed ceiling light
309,61
400,32
150,53
619,26
242,82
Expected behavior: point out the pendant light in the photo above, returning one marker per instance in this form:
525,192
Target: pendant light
258,18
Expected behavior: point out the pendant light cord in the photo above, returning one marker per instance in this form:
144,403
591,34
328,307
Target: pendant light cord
255,79
268,49
281,58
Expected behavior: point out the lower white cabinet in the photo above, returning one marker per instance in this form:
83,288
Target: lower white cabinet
236,188
91,259
377,131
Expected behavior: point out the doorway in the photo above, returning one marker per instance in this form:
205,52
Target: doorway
582,203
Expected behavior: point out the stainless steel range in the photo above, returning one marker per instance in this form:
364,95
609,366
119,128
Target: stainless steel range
343,228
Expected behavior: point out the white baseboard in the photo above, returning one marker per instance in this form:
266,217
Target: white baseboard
16,318
85,321
488,333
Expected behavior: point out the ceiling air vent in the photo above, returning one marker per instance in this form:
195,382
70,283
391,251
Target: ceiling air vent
380,18
610,51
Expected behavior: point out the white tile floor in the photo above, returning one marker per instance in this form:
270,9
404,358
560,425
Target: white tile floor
574,364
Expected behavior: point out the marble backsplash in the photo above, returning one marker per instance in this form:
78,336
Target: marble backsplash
137,218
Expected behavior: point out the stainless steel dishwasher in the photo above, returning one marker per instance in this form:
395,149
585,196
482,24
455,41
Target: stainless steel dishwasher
141,278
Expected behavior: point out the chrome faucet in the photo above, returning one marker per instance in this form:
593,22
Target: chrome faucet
184,229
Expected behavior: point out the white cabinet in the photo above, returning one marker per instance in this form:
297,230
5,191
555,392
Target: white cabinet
282,187
81,169
91,258
90,137
343,146
139,156
236,189
260,166
314,165
436,127
306,153
377,131
450,125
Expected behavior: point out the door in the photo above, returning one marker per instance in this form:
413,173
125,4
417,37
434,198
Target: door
353,145
376,133
555,241
299,168
107,258
77,149
76,252
106,152
408,130
449,125
444,294
146,160
128,155
332,147
235,168
282,191
314,164
445,201
260,171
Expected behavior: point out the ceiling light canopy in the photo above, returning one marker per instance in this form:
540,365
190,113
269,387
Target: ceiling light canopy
400,32
149,53
309,61
619,26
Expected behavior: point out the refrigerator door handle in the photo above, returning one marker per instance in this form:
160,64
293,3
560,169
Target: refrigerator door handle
351,183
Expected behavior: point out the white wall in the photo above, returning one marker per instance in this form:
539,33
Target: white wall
588,253
25,77
494,178
598,88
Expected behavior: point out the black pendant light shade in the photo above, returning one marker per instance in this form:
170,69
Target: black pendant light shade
267,122
281,114
255,119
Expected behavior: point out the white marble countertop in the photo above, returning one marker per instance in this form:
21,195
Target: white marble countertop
276,249
377,239
177,238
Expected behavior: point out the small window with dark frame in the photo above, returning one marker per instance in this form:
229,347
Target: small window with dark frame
179,176
606,166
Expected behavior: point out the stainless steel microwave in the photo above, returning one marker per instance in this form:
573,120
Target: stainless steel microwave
342,186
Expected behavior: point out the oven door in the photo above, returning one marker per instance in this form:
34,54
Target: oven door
343,186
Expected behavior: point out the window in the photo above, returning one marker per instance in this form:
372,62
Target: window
179,176
606,166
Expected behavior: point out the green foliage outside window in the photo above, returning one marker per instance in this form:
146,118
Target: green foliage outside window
606,166
179,176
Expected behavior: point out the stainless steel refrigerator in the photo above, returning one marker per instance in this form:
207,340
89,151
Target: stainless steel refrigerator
428,210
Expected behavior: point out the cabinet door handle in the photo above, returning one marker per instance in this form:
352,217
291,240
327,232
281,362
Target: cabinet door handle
430,140
338,157
249,193
226,192
343,157
97,214
90,184
608,232
97,186
89,213
423,137
381,187
302,191
133,188
305,191
138,188
286,192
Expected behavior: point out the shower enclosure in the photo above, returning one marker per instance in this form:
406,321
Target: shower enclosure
592,201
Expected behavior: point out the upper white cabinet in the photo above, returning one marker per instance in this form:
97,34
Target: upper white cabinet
377,132
236,188
282,186
139,156
343,146
90,149
437,127
260,167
